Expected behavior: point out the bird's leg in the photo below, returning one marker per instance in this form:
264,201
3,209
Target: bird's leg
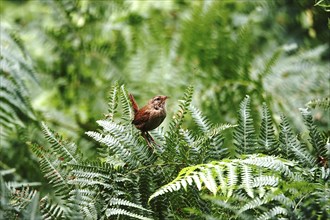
151,139
145,136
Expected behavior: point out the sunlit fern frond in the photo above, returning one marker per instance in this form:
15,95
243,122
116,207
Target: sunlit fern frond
227,176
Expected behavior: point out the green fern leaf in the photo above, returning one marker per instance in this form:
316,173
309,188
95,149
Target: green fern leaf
126,105
244,135
121,140
247,180
267,141
121,202
183,108
50,167
273,213
113,101
291,147
65,151
15,70
203,123
49,210
173,136
116,147
315,137
229,176
117,211
324,103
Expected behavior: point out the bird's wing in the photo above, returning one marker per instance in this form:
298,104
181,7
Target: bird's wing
141,117
134,104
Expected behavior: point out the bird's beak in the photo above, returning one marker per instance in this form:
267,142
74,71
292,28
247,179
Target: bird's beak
163,98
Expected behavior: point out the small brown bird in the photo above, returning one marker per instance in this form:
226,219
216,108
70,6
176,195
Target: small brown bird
150,116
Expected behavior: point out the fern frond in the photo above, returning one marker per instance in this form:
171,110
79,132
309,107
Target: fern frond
116,147
117,211
50,211
173,135
271,163
113,102
124,143
51,171
291,146
273,213
65,151
232,175
270,63
244,135
247,180
21,198
267,141
183,108
86,201
315,137
126,105
323,102
90,175
15,70
122,202
203,123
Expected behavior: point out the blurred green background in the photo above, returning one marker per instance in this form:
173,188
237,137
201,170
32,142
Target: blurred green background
275,51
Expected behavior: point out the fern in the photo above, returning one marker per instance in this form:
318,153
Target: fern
15,70
200,120
18,199
65,151
113,102
172,137
126,105
291,146
244,135
51,170
315,137
239,171
267,141
117,211
211,136
50,211
324,103
128,178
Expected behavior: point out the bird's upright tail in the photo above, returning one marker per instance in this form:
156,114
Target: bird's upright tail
134,104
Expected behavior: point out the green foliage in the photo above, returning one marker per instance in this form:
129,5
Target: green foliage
82,189
267,142
324,103
277,52
18,200
16,68
245,134
236,174
129,179
258,186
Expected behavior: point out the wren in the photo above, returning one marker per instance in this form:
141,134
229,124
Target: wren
149,116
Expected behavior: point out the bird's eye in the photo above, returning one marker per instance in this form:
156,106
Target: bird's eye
157,98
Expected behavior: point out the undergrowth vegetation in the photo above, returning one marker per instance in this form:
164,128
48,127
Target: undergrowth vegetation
267,176
249,139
